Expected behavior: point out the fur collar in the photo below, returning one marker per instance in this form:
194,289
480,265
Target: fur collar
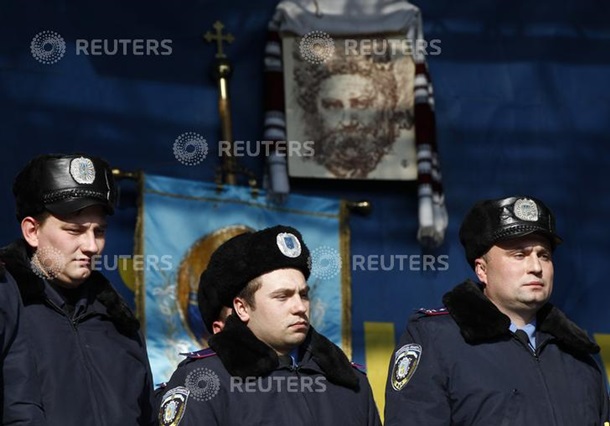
244,355
16,258
480,320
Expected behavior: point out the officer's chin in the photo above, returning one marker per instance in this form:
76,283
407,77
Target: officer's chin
68,282
300,336
77,277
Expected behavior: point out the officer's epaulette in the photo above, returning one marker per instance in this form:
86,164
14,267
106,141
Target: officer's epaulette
433,312
203,353
358,367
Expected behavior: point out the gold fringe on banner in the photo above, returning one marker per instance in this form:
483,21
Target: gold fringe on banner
140,287
346,278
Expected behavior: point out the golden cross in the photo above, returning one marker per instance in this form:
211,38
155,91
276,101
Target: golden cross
209,37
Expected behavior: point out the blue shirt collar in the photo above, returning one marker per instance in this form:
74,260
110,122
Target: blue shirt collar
530,330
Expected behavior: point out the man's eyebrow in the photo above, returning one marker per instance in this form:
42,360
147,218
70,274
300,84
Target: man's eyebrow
86,225
526,247
282,290
288,290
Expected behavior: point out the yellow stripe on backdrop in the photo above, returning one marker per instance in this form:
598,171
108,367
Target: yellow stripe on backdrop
379,345
603,340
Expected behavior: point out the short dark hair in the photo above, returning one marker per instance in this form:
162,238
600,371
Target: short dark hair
247,293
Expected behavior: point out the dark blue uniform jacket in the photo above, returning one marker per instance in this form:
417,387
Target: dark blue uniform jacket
19,397
91,367
243,382
462,366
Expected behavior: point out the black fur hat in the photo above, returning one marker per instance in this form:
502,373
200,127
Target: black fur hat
490,221
211,278
245,257
63,184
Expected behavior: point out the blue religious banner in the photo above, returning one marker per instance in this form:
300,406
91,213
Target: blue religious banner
182,222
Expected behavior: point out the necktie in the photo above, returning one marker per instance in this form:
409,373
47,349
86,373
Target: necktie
523,338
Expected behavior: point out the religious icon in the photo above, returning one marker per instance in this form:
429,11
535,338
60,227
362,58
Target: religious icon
355,109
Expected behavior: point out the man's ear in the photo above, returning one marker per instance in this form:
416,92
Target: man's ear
241,309
29,229
480,268
217,326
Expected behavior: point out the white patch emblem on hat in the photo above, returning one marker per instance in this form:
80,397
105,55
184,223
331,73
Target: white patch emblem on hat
526,209
288,244
406,361
82,170
173,406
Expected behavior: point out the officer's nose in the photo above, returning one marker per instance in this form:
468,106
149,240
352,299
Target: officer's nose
90,244
534,264
300,305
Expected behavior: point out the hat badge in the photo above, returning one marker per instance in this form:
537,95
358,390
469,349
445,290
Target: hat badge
82,170
288,244
526,209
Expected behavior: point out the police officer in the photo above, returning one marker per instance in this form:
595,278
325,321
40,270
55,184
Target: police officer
91,361
498,353
267,365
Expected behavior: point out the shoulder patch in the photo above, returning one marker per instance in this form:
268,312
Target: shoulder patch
433,312
203,353
406,360
358,367
173,406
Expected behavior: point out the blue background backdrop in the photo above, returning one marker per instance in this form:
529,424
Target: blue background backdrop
523,106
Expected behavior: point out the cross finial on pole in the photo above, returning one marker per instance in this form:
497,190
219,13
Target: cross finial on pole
219,38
